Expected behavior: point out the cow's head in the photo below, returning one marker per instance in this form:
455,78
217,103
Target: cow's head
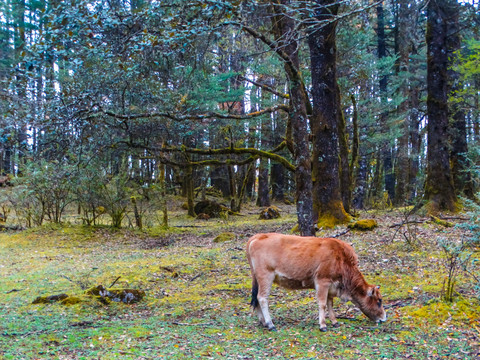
372,304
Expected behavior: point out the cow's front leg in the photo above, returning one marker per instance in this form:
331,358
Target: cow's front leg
331,313
263,291
321,287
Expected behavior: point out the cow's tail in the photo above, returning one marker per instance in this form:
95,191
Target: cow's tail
254,301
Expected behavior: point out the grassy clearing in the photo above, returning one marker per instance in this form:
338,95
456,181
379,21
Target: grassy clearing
198,293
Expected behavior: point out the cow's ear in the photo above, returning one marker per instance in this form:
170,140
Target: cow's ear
378,287
370,290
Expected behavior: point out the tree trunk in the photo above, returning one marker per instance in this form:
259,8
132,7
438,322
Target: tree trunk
284,28
19,43
403,43
386,152
277,176
462,177
439,189
415,140
278,182
358,163
328,204
250,185
263,199
220,180
345,174
189,190
163,194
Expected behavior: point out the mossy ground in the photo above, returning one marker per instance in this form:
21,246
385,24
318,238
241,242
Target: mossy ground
198,292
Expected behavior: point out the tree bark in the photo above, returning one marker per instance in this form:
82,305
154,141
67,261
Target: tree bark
263,199
387,158
403,44
345,174
284,28
462,177
277,175
328,204
439,188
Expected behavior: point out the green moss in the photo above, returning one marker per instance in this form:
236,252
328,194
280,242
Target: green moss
73,300
441,222
364,224
327,221
295,229
269,213
95,291
49,299
331,215
127,296
457,311
227,236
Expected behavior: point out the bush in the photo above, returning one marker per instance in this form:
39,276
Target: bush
88,186
43,192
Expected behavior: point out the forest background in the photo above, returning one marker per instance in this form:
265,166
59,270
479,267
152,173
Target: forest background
118,118
113,104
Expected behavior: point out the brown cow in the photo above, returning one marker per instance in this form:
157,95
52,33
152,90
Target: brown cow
330,266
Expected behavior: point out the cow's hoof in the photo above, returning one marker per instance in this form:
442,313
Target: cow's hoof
273,328
323,329
336,325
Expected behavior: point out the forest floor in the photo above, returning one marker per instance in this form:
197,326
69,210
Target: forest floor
198,294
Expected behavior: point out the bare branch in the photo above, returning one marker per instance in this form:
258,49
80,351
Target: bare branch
266,87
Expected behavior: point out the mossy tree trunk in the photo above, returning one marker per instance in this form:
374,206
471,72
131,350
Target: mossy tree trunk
439,188
327,197
284,29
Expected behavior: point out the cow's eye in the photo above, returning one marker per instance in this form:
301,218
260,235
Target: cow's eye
379,302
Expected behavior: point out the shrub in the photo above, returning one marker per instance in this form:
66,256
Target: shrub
43,192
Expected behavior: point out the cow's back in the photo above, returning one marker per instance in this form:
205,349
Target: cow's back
300,257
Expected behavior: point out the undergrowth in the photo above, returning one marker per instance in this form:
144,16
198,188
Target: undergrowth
198,294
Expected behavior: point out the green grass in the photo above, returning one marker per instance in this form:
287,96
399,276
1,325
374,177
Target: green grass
198,295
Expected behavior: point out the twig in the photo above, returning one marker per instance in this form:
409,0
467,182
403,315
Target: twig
408,222
66,277
189,226
345,317
453,218
188,324
114,282
342,233
13,290
196,277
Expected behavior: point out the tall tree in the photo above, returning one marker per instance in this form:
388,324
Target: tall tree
285,33
403,43
386,150
462,177
439,188
328,203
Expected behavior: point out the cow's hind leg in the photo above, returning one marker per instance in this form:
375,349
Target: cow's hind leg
255,304
331,313
321,287
264,286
